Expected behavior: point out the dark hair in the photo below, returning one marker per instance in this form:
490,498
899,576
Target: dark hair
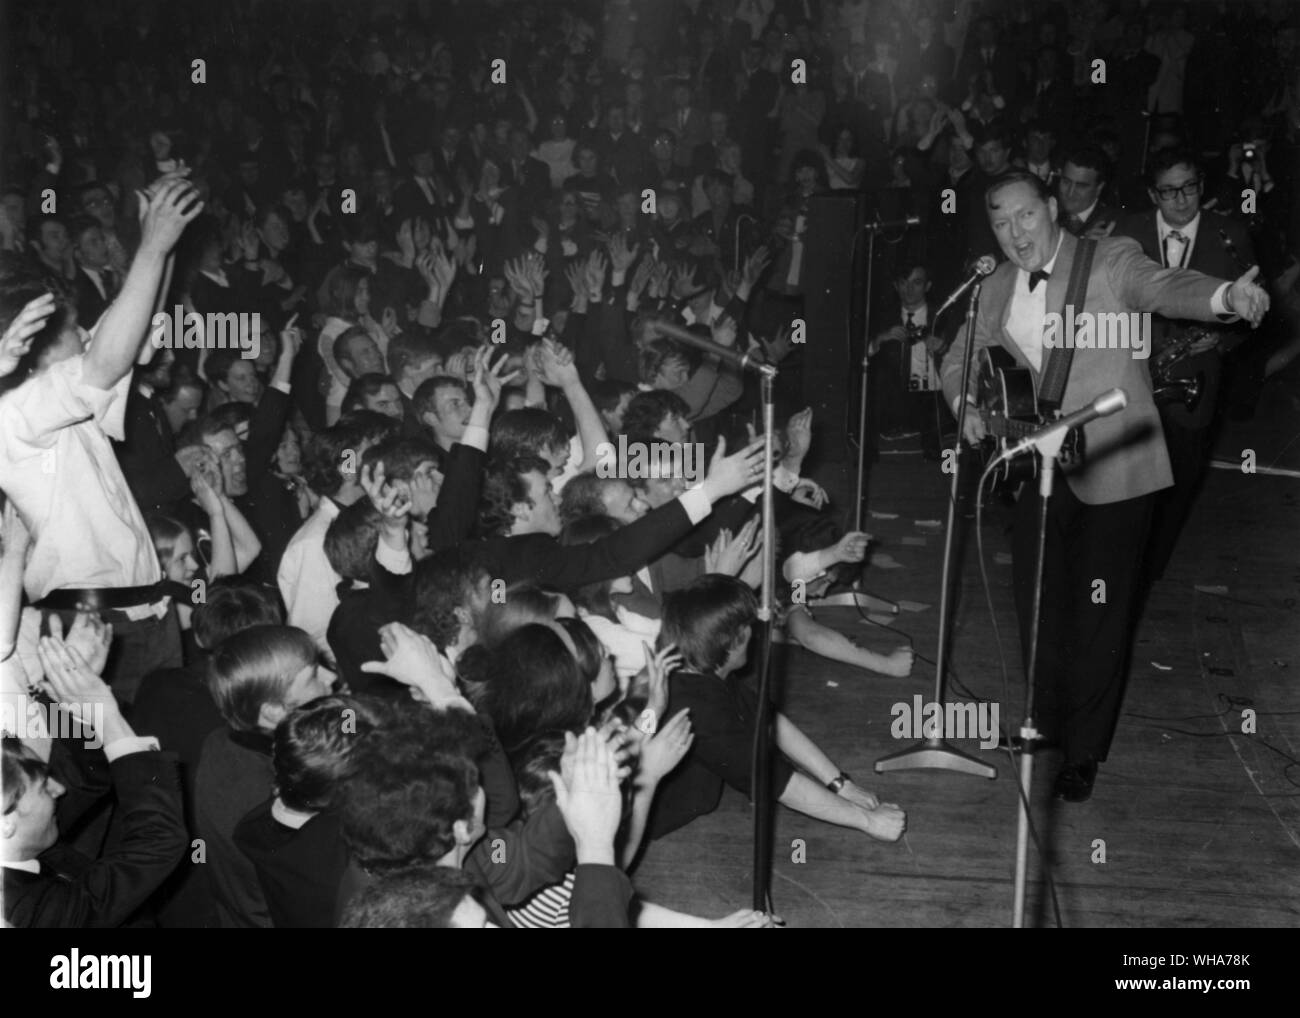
21,282
364,387
582,497
401,457
531,431
522,603
229,416
80,224
313,749
1090,157
232,605
504,487
648,409
197,432
338,293
607,394
704,619
408,788
217,366
351,541
1038,185
406,349
1166,159
527,683
423,896
445,581
323,458
533,764
594,597
590,651
426,394
21,769
655,354
255,667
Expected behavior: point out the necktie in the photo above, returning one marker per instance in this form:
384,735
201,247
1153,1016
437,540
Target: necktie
1175,249
1037,277
1073,223
909,324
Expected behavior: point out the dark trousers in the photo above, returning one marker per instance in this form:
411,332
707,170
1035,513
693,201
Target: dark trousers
1189,455
1083,645
893,407
138,648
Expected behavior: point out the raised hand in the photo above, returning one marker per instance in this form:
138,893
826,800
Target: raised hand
391,503
588,796
290,339
555,364
534,274
72,683
684,281
755,265
17,339
653,678
731,474
798,435
89,636
597,266
413,660
621,256
489,379
171,209
205,494
659,280
664,750
641,277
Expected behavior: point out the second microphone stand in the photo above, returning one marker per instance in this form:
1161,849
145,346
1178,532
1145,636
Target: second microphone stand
934,752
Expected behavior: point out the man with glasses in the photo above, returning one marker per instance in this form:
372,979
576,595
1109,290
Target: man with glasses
1179,233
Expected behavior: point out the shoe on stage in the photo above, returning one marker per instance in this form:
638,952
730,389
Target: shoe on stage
1074,783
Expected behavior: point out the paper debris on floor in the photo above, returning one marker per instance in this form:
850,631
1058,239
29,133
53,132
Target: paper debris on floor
879,620
1002,558
1163,668
882,561
912,606
915,542
929,524
882,516
1206,588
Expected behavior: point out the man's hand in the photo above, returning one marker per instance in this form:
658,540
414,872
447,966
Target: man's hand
729,554
193,457
414,661
852,547
730,474
488,381
70,683
89,636
755,265
974,431
664,750
798,436
884,822
555,365
392,505
620,255
17,339
173,207
208,498
290,339
1248,299
589,798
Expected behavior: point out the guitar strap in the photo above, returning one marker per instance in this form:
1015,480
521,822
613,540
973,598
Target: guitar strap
1057,370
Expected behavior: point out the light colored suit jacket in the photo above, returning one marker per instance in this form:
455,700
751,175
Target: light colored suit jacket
1125,453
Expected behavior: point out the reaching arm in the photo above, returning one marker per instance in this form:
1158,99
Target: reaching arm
245,545
126,323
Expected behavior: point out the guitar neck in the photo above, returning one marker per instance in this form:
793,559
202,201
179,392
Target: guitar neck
1003,427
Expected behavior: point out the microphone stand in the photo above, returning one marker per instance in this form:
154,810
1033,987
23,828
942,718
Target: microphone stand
933,752
1048,447
764,726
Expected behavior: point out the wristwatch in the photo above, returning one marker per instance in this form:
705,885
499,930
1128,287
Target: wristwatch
838,782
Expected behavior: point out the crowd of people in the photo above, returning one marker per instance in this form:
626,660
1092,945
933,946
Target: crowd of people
343,459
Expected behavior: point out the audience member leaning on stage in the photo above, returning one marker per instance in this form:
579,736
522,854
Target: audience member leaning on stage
89,542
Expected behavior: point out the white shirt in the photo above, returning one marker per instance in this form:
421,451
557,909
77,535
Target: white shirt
58,467
624,639
307,581
1189,231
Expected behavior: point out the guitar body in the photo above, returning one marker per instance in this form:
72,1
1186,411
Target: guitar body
1008,400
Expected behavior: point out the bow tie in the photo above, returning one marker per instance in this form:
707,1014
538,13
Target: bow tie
1035,278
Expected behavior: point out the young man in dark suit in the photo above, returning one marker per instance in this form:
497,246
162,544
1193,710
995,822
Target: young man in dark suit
1080,194
1099,516
49,884
1178,233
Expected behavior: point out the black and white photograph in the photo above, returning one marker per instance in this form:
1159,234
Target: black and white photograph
743,464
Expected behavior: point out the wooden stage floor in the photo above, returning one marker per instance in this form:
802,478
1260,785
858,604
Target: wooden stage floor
1200,822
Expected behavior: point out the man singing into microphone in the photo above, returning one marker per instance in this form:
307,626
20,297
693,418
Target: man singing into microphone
1098,520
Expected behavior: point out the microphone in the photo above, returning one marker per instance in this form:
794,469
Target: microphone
982,267
1110,402
738,360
